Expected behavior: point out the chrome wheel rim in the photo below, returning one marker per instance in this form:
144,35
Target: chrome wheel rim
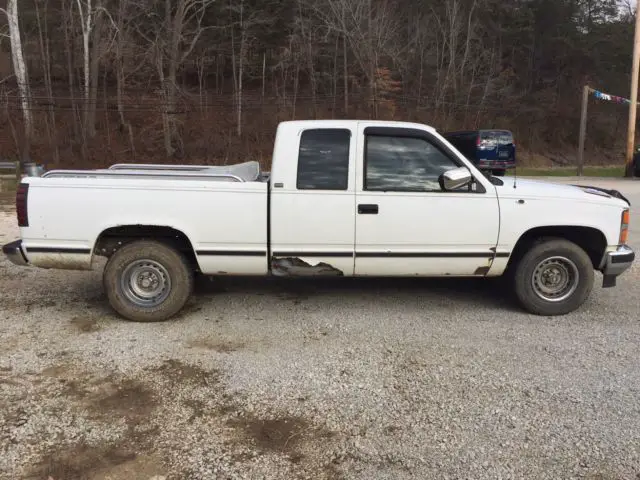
145,283
555,279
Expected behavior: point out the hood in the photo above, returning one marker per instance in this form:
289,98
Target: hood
541,189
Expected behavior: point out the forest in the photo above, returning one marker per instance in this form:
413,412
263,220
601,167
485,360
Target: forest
87,83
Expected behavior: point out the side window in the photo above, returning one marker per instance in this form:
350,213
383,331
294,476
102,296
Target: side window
404,164
323,159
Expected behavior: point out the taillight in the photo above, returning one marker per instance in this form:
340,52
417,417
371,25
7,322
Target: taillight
624,228
21,204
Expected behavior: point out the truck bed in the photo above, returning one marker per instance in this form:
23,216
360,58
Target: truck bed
222,210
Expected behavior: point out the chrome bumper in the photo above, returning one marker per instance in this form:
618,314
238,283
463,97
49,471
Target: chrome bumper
616,263
14,253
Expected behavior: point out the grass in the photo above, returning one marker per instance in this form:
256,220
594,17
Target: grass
611,171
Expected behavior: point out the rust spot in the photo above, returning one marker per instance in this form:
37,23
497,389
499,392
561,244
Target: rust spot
296,267
481,271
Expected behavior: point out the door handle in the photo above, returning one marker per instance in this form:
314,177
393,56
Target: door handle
370,209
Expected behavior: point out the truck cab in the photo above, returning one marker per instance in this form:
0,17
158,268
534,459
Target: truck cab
368,198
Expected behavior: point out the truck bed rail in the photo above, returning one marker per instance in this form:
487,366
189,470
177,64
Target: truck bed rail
158,166
141,174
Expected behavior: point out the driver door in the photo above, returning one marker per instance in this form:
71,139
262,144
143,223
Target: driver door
405,223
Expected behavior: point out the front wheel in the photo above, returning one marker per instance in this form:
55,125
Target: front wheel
147,281
554,277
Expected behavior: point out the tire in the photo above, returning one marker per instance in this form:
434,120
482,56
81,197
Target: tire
165,281
565,261
498,173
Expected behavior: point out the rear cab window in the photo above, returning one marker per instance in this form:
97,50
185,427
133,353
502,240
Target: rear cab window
495,138
323,159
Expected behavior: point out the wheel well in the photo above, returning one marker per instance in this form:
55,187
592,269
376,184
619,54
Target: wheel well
114,238
591,240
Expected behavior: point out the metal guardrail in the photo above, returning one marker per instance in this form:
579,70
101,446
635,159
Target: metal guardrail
10,170
28,169
12,166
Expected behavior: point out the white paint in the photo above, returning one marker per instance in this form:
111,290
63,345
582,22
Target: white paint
232,216
310,220
431,222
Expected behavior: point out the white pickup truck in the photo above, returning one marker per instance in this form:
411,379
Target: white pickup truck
343,198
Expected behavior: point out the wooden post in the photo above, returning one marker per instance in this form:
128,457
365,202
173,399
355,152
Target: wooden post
633,106
18,173
583,128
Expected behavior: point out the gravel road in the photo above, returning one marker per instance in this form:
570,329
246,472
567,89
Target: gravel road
273,379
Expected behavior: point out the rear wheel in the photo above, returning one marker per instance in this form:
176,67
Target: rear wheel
498,173
147,281
554,277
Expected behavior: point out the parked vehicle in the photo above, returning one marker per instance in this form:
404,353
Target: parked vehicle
489,150
344,198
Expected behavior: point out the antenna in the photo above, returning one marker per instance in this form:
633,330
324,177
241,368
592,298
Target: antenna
515,164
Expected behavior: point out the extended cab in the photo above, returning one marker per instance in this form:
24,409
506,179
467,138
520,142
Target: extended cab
343,198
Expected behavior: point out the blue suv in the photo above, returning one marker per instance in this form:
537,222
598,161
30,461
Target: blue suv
492,150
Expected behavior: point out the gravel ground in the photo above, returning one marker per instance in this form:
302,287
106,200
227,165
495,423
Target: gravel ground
362,379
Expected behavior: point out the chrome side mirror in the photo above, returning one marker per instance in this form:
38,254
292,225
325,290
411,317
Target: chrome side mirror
455,178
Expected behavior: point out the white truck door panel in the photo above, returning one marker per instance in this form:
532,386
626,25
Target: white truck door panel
313,201
405,223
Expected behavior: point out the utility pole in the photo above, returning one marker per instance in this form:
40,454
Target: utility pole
583,128
633,107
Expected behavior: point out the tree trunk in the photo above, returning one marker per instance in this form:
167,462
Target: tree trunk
68,44
345,75
94,75
22,76
86,22
43,37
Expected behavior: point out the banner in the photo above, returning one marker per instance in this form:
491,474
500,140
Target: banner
609,98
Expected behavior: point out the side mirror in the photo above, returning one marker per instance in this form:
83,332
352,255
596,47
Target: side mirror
455,178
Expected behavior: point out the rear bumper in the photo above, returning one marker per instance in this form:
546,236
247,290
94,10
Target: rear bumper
616,263
13,251
496,164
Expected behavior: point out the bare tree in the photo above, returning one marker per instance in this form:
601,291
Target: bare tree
22,76
45,55
370,33
172,36
92,20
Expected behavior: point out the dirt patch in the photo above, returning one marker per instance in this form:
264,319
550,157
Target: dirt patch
180,372
57,371
129,399
216,345
104,399
197,409
101,462
85,324
80,462
293,437
280,434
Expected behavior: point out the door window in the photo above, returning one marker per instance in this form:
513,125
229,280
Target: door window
404,164
323,159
